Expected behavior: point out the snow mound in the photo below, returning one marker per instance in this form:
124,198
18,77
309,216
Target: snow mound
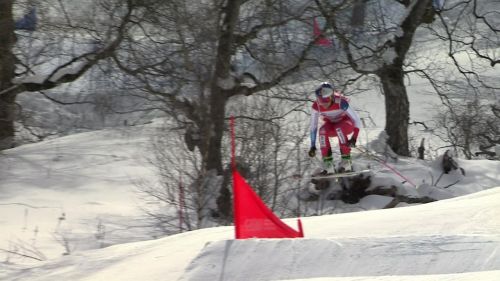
258,259
426,190
374,202
453,239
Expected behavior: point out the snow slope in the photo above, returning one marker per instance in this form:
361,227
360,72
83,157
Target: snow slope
454,239
57,195
65,187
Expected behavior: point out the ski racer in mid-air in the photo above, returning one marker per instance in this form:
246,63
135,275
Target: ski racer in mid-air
340,120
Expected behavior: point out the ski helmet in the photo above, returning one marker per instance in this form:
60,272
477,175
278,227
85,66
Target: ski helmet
325,90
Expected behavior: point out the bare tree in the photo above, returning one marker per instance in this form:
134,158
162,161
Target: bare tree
469,32
384,45
195,56
177,202
470,125
269,133
380,48
46,64
267,144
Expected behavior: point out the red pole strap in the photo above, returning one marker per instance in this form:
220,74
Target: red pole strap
383,162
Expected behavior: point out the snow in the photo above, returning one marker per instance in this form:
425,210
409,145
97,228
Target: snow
66,186
454,239
71,188
69,70
374,202
36,79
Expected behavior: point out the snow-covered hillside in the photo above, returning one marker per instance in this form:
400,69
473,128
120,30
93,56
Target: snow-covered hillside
70,188
454,239
72,195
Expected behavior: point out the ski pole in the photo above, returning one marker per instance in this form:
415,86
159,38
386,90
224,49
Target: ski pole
381,161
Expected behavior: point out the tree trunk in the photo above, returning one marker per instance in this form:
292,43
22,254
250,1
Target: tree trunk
211,132
213,160
218,101
7,68
397,108
358,14
7,113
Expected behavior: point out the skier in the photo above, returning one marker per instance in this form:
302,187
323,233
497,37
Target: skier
340,120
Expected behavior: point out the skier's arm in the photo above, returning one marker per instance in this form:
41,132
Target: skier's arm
355,118
357,121
314,126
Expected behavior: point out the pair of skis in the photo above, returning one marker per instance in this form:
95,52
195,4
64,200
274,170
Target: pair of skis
340,175
334,175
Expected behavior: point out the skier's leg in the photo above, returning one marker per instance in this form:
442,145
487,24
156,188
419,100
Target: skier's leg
325,132
342,130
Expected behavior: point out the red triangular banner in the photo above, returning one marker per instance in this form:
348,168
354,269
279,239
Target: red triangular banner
253,219
320,39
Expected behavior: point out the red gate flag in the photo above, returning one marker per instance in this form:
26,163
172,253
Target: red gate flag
253,219
320,39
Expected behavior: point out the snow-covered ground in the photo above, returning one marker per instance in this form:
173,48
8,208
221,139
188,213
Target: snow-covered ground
453,239
71,188
63,198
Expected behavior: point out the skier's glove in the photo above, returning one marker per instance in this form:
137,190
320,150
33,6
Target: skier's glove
352,142
312,152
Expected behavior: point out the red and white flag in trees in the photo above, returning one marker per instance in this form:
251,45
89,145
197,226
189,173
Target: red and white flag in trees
320,38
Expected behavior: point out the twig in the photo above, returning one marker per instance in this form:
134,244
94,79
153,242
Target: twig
440,176
19,254
451,184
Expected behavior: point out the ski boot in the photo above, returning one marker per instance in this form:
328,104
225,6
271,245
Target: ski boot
327,165
345,165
